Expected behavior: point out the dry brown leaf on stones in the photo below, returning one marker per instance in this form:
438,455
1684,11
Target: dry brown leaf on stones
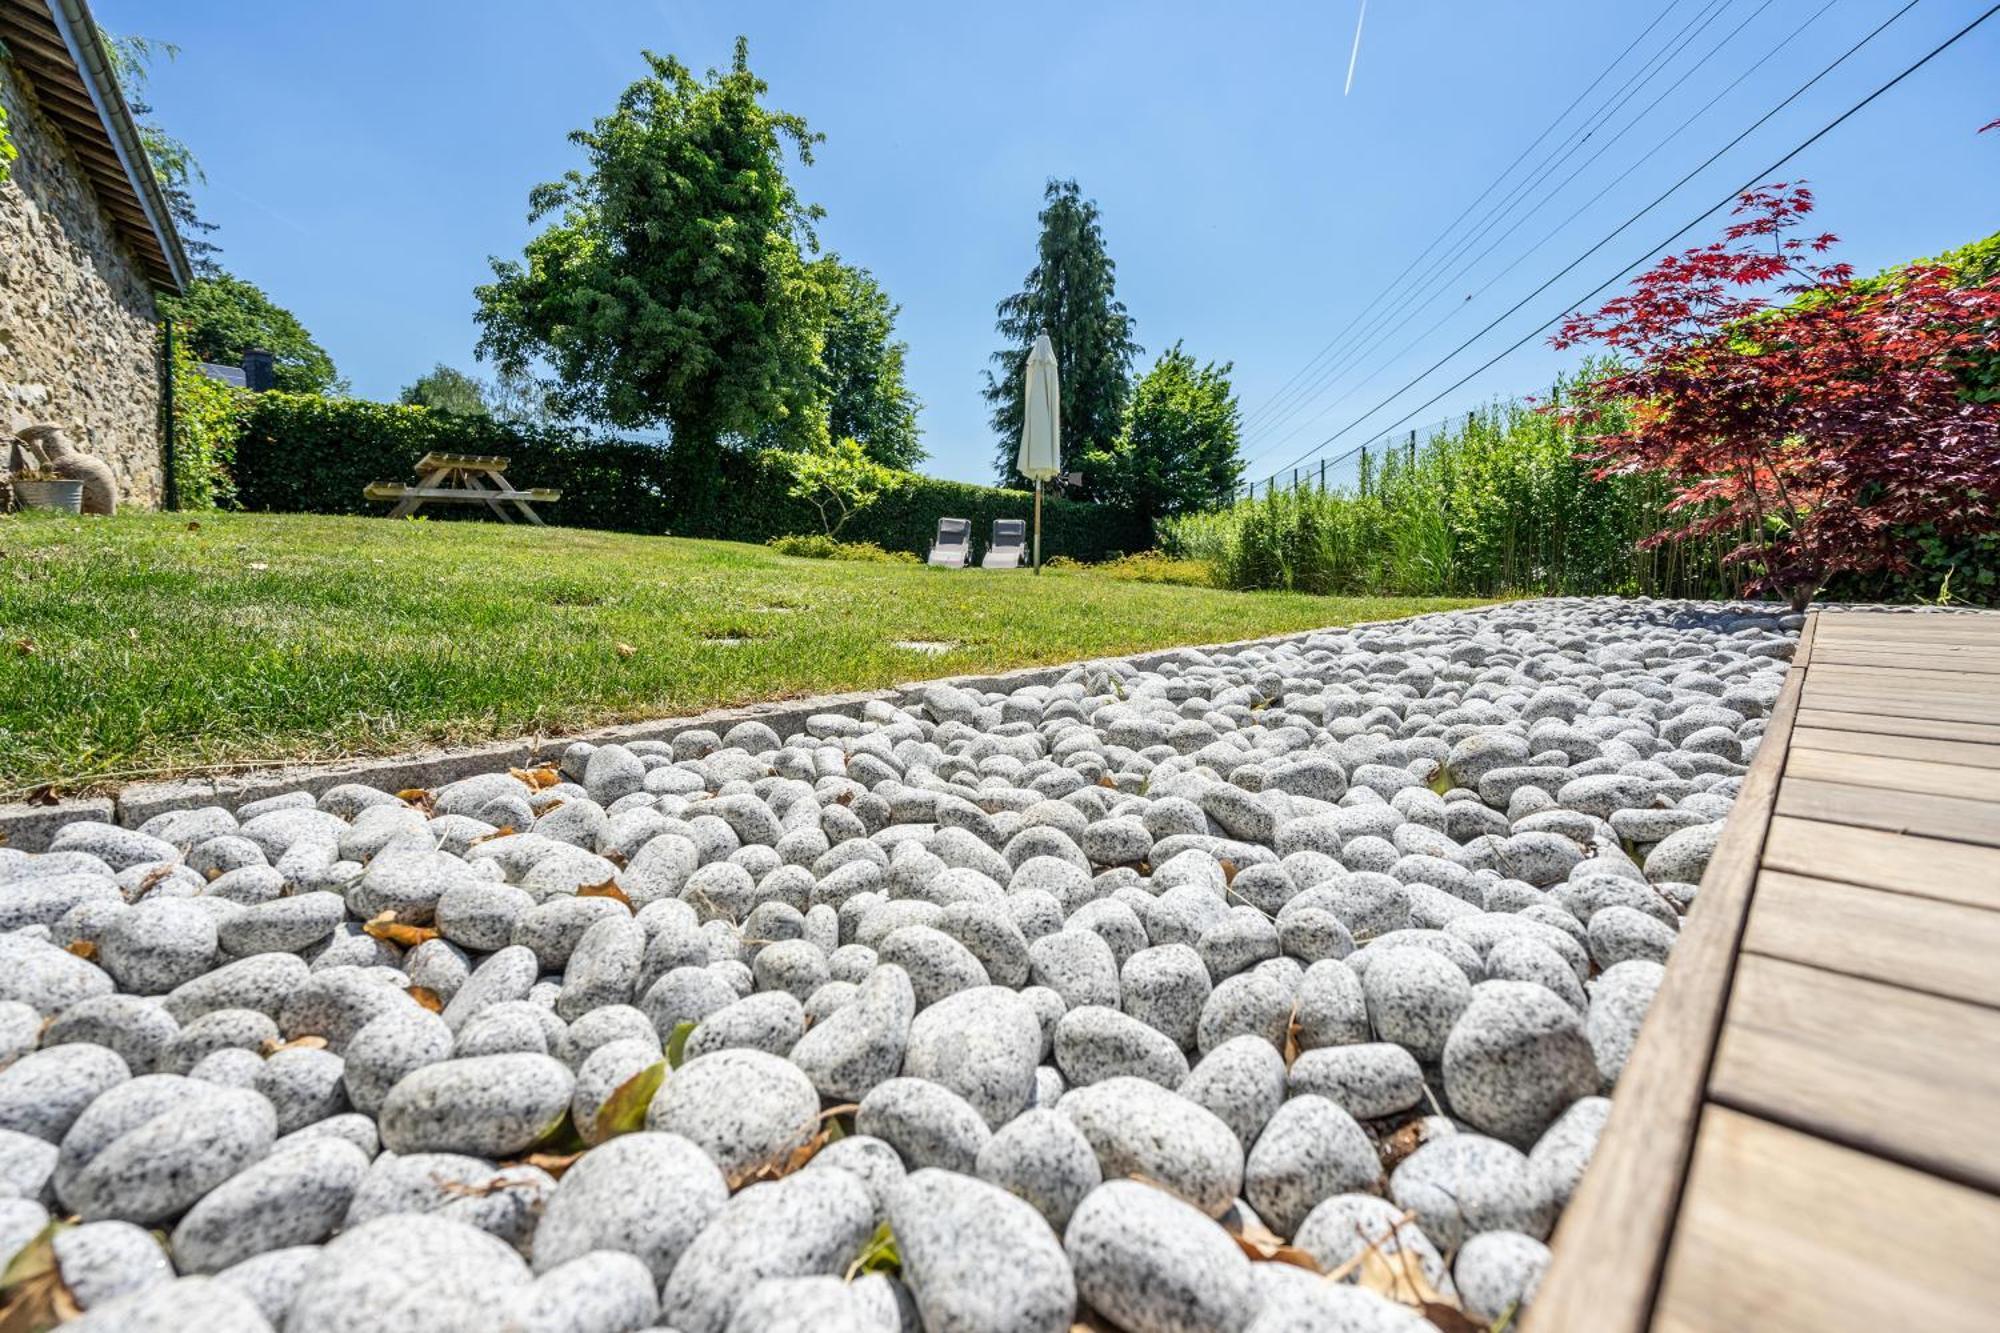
271,1046
384,926
152,879
555,1163
535,779
1395,1271
420,797
46,794
1292,1037
480,1189
504,831
1228,871
777,1168
1399,1145
33,1295
426,997
82,948
608,889
1262,1245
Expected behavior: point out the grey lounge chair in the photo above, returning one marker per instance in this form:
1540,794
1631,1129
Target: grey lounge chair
954,542
1010,536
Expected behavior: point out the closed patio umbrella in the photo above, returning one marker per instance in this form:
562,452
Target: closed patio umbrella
1041,427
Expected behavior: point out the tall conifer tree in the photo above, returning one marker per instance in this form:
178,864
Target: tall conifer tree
1071,295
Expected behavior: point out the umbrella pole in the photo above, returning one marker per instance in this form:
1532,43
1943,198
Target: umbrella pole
1038,525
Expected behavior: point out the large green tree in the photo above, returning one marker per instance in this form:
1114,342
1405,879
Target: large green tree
861,368
1178,451
672,287
1071,295
444,389
223,316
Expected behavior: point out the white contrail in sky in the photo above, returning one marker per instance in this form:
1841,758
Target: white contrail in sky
1356,53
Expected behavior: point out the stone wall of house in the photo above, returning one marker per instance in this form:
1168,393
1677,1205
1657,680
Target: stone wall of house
77,340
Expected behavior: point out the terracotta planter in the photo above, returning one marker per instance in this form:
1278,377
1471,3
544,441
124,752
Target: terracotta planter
66,496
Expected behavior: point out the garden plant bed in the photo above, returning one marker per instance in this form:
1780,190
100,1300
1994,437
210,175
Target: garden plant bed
1133,998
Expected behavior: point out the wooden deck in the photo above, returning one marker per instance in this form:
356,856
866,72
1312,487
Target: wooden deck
1807,1135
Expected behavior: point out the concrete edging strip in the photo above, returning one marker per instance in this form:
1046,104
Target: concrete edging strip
29,827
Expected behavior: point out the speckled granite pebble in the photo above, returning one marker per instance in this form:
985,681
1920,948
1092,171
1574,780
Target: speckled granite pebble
42,1094
645,1194
809,1223
978,1259
1310,1151
1138,1128
1146,1260
743,1108
296,1196
490,1105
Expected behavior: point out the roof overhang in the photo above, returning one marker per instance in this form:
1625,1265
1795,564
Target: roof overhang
56,45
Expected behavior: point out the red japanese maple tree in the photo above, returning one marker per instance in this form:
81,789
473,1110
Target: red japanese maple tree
1817,432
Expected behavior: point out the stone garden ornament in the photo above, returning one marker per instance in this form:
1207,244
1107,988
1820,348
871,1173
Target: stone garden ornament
50,450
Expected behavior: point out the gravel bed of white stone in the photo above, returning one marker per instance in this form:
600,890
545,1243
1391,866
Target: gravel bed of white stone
997,1012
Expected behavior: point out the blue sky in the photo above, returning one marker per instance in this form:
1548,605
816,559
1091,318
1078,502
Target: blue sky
365,158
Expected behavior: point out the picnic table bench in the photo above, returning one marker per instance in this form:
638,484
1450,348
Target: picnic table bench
462,479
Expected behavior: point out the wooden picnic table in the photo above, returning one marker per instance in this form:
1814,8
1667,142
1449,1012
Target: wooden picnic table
463,479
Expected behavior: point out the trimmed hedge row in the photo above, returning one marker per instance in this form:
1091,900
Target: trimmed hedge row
304,454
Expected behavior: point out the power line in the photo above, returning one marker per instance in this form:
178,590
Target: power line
1430,288
1819,134
1557,230
1491,186
1354,334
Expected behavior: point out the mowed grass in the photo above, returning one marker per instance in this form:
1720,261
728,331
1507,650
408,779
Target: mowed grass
150,644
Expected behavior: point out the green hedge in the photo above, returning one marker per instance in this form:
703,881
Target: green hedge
305,454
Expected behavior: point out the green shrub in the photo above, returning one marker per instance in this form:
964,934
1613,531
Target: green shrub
1498,504
208,420
818,546
306,454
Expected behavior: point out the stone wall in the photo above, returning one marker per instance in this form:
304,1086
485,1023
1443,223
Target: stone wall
77,340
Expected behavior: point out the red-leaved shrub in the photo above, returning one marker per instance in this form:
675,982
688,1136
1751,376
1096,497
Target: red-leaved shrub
1819,431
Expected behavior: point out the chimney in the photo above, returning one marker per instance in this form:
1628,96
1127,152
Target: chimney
258,370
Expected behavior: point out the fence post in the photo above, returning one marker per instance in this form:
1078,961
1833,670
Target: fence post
170,486
1362,481
1322,476
1413,447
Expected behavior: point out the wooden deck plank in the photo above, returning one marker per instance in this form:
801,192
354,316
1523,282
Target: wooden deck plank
1922,944
1618,1221
1920,813
1889,724
1904,680
1784,1233
1894,1072
1938,709
1977,754
1949,871
1965,781
1911,627
1928,657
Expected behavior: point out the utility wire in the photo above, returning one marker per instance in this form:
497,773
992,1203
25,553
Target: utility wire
1428,289
1344,343
1491,186
1557,230
1814,138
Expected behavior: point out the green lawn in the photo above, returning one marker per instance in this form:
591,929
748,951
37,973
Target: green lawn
152,643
